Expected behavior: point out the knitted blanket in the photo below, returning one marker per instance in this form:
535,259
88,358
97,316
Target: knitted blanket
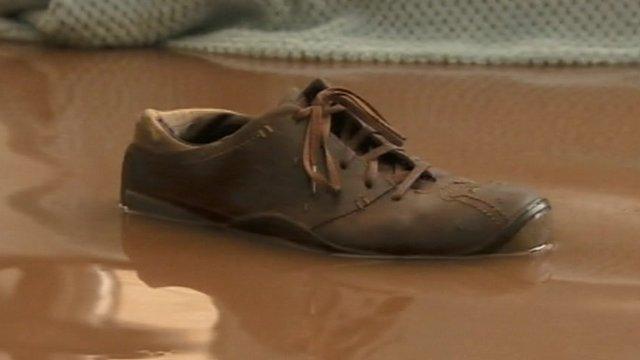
442,31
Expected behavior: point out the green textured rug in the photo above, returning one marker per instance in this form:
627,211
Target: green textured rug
452,31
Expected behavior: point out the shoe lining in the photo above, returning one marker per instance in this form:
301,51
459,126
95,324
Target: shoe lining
206,129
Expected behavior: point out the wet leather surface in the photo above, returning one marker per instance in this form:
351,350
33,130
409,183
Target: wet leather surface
78,278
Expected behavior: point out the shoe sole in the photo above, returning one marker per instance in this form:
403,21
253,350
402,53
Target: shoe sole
528,234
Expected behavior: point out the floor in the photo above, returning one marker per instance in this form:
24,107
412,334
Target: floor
79,279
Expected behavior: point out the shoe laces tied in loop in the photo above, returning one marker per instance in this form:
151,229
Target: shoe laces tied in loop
316,140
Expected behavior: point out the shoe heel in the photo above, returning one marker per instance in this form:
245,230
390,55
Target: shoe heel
136,203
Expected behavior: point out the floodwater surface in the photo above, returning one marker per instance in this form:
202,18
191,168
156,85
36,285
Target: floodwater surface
80,279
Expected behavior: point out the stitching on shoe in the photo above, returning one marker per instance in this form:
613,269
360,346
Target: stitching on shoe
462,190
357,209
486,208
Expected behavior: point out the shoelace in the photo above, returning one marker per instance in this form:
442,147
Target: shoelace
319,114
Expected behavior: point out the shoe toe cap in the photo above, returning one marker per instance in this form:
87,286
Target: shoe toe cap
459,220
524,218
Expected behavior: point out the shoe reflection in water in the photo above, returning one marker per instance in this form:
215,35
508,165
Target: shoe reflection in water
55,308
278,302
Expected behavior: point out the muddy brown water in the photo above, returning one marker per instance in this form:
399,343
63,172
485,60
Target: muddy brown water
80,279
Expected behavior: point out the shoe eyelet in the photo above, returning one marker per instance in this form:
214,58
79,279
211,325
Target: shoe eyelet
368,184
343,165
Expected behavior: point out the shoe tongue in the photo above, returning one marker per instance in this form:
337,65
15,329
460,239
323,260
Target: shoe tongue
305,97
390,165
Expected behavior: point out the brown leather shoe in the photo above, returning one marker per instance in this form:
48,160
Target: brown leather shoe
323,170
